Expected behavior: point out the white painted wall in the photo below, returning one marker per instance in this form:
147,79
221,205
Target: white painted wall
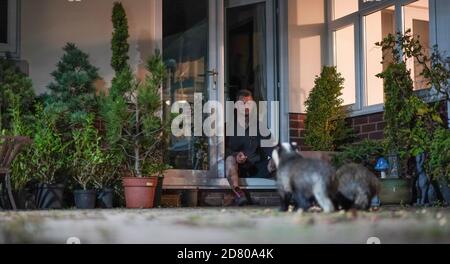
307,48
47,25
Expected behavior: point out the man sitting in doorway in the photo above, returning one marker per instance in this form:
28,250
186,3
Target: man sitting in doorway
245,156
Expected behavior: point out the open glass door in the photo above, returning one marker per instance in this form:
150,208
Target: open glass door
191,53
197,37
249,56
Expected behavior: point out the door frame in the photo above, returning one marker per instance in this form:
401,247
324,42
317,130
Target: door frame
277,41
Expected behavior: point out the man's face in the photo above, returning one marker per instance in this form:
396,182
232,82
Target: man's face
245,100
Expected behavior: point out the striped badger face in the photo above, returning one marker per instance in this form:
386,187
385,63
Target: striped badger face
283,151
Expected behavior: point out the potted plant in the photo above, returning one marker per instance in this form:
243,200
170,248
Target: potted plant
86,160
134,126
439,164
365,152
412,121
47,157
325,125
106,177
21,170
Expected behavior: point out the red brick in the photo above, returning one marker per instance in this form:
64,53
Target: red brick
376,135
381,126
368,128
294,117
363,136
376,118
298,117
357,129
360,120
296,124
294,133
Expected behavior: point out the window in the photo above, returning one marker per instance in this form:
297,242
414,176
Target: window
417,19
344,43
8,27
342,8
355,27
3,21
377,26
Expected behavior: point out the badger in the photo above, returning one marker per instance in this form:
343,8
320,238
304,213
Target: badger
302,180
356,187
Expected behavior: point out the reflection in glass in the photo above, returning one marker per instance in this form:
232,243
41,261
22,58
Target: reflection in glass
416,18
185,52
341,8
377,26
344,46
246,51
3,21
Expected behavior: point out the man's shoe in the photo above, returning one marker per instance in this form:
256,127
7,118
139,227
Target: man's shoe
240,199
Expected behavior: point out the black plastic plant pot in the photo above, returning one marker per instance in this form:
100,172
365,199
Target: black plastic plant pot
85,199
49,196
105,198
23,199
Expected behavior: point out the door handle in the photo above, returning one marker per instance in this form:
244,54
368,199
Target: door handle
211,73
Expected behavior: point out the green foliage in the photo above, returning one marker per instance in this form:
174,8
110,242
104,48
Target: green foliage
410,120
48,149
365,152
88,155
133,123
13,82
398,88
119,42
406,47
325,120
439,155
72,93
21,169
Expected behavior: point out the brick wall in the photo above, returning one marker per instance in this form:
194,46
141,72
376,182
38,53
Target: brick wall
369,126
297,129
366,127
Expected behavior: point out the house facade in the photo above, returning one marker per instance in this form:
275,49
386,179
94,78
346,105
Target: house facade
216,47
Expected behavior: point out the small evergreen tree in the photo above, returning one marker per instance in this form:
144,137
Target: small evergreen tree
398,88
134,127
72,93
16,91
325,117
119,42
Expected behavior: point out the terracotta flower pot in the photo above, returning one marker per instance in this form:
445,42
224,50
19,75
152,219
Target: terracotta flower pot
140,192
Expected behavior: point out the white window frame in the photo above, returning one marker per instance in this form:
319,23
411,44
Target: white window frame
361,106
12,45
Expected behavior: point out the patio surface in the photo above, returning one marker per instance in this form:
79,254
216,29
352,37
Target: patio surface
226,225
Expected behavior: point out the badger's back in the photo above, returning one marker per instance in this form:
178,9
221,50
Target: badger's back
302,174
356,184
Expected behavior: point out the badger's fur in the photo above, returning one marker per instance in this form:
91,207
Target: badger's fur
302,180
356,186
